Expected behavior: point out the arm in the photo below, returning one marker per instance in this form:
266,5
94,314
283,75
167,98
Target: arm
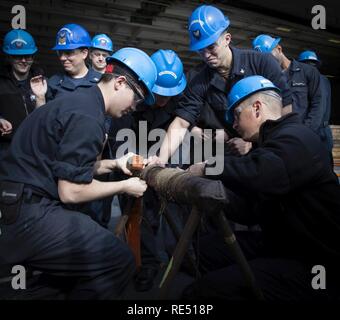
266,169
316,109
173,138
107,165
70,192
39,88
187,113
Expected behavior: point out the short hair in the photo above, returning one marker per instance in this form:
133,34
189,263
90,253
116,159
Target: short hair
272,99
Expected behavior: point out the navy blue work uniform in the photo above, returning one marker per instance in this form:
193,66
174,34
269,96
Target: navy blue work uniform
325,131
62,83
62,140
17,101
305,84
296,201
207,86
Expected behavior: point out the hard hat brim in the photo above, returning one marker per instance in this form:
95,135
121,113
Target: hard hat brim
274,44
100,48
170,92
206,42
70,47
21,52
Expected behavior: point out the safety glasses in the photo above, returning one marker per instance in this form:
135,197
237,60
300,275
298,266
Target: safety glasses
138,93
28,58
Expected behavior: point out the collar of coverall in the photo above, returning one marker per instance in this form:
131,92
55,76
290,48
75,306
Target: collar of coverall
295,66
237,71
270,125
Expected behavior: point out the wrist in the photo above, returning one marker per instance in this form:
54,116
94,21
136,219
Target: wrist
122,186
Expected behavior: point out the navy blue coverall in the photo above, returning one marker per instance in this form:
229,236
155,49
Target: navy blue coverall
208,90
294,195
61,140
306,86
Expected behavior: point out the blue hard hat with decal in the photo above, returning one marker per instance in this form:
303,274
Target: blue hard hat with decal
245,88
102,42
72,36
141,64
19,42
171,79
206,24
265,43
308,56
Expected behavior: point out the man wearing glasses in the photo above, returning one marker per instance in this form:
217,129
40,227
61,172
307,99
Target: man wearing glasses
210,82
72,46
52,163
22,85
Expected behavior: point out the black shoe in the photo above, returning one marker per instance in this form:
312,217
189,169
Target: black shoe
144,278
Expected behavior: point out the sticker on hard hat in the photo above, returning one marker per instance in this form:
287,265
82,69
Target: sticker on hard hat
168,72
62,38
62,35
196,34
103,42
196,21
265,81
18,42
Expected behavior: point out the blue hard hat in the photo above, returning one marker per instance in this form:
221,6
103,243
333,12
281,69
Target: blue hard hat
72,36
141,64
265,43
171,79
102,42
308,56
19,42
243,89
206,24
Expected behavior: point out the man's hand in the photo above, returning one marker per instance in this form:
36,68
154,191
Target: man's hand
238,146
134,187
39,88
198,132
5,127
197,169
221,136
121,163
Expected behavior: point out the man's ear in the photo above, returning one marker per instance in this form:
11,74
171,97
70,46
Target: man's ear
256,108
279,49
85,53
227,38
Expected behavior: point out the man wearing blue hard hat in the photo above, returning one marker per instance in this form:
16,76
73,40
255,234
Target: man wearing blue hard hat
170,83
210,82
52,165
22,85
72,46
311,58
304,82
101,48
290,191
